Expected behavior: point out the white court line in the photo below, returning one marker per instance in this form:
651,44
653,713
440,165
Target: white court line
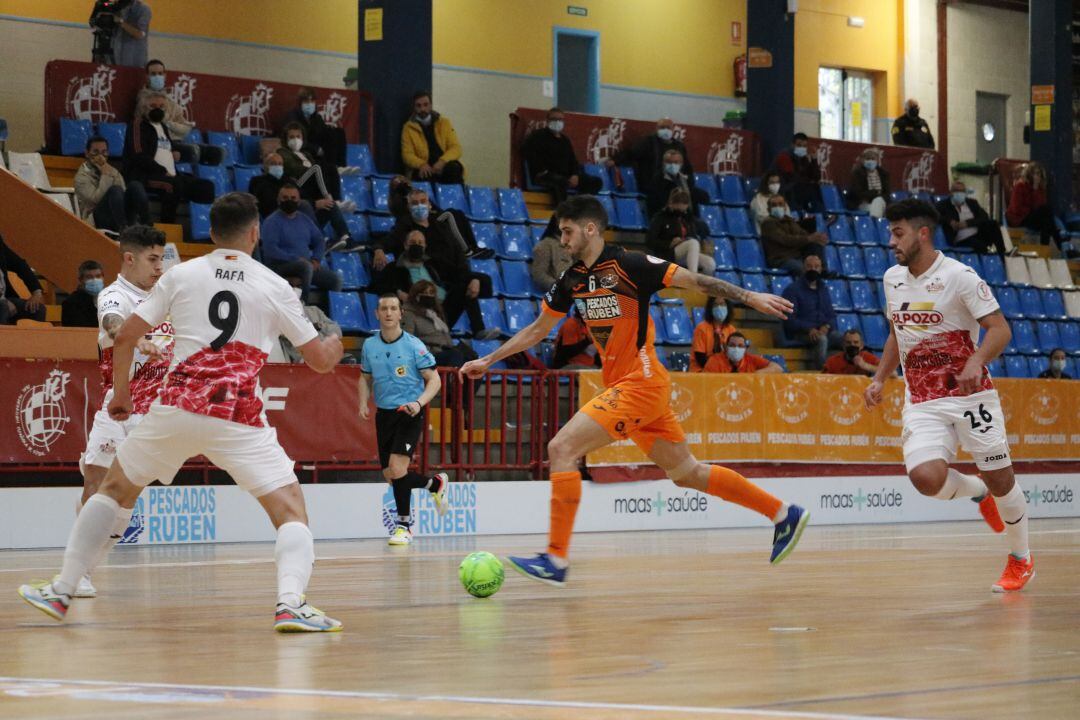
460,699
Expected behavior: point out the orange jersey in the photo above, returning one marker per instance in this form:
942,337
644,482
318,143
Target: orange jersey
613,297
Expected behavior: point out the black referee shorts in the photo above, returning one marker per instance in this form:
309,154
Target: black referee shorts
397,433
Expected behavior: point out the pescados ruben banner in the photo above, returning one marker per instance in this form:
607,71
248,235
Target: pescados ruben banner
822,418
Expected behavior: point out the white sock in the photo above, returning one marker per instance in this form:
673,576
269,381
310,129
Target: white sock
294,553
958,485
781,514
559,562
89,535
1012,506
123,519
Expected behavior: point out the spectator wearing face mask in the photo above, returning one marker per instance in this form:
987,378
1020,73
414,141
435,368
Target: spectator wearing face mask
293,247
712,333
676,235
450,239
910,129
104,196
855,359
759,204
966,224
647,157
429,144
424,317
79,309
800,175
736,359
813,320
673,178
266,187
175,118
1056,370
324,141
868,189
552,162
785,241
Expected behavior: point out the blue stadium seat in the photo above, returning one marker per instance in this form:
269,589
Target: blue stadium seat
865,231
371,319
217,174
537,234
487,236
250,150
346,311
358,228
629,181
847,321
1009,300
355,189
714,218
359,156
738,222
486,347
863,296
1054,304
516,280
1047,333
512,206
242,177
749,256
832,258
600,173
707,182
993,270
697,314
629,214
516,243
1031,303
492,314
996,367
380,195
778,359
724,253
1037,365
74,135
1017,366
832,200
973,262
733,191
116,134
851,261
898,195
519,314
609,207
729,276
875,330
450,197
780,283
183,167
461,327
200,221
675,360
883,232
490,268
659,300
426,186
657,316
354,276
840,231
677,325
482,204
876,261
381,224
940,242
755,282
752,184
839,295
1024,338
226,141
1070,338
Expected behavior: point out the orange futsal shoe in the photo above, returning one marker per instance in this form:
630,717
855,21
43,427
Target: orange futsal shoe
1016,575
988,509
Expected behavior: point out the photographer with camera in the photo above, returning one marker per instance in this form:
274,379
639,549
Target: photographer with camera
121,32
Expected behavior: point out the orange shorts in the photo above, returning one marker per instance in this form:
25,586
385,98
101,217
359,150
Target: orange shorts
640,413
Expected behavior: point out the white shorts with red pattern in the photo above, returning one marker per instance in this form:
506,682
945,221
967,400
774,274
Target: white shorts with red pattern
933,429
168,436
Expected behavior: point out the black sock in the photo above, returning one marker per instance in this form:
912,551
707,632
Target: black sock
403,500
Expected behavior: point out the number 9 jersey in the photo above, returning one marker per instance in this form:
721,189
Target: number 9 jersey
227,311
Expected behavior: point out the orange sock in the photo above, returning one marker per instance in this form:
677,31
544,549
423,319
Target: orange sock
733,487
565,496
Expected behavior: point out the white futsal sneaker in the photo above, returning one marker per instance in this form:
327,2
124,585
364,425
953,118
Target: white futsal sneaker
401,536
85,588
305,618
442,502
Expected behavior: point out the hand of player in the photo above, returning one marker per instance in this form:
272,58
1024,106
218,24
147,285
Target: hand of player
378,261
148,348
475,369
970,377
365,411
411,408
770,304
873,394
120,406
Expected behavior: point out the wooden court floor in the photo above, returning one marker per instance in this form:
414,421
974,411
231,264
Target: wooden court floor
886,621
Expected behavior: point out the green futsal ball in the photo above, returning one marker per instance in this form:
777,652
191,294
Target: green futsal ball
481,574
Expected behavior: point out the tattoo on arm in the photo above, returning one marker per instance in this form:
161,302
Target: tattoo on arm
721,288
111,325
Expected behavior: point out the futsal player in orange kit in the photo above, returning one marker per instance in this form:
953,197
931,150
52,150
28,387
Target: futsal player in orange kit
611,289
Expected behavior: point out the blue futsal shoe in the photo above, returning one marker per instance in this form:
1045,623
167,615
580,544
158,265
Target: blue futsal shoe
787,533
539,568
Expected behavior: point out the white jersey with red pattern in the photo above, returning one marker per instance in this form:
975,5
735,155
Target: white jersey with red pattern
120,299
935,319
227,311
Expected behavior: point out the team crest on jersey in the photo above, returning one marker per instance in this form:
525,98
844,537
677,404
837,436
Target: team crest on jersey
400,371
935,286
608,281
916,316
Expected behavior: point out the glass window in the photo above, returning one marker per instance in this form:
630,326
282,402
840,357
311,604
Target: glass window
846,105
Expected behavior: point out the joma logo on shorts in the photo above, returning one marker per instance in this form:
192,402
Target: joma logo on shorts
993,458
916,317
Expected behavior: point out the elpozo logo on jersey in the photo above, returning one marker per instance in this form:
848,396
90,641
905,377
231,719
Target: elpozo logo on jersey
916,316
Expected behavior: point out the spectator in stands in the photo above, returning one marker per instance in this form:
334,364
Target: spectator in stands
647,157
1056,371
910,129
293,247
175,118
450,238
550,258
868,189
671,177
785,241
265,188
1029,207
424,317
319,180
712,333
813,320
429,144
326,142
966,224
736,359
759,205
855,358
131,39
574,348
12,307
800,175
103,194
552,163
151,160
676,235
79,309
324,325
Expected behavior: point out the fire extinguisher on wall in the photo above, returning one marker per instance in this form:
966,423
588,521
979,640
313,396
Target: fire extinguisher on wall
740,75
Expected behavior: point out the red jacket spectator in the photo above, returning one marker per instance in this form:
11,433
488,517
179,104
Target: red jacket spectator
839,364
1024,200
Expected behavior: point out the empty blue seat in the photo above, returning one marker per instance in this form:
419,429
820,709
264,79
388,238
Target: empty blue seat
250,150
487,236
1070,338
492,314
778,359
749,256
358,228
851,261
218,175
1017,366
883,232
519,314
657,316
609,208
629,180
996,367
832,199
863,296
707,183
865,231
714,218
832,258
355,189
677,325
482,204
451,196
993,270
1024,339
939,239
724,254
183,167
242,177
346,311
226,141
697,315
839,295
1054,304
875,330
200,221
779,283
755,282
840,231
488,267
876,261
600,173
537,233
381,224
115,134
74,135
354,275
425,186
516,280
1009,300
380,195
359,156
729,276
847,321
1047,333
738,222
972,261
629,214
516,242
733,191
898,195
512,206
1031,303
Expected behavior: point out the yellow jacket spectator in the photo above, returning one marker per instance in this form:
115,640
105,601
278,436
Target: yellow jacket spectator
429,144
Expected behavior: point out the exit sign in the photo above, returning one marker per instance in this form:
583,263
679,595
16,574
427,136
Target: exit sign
576,10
